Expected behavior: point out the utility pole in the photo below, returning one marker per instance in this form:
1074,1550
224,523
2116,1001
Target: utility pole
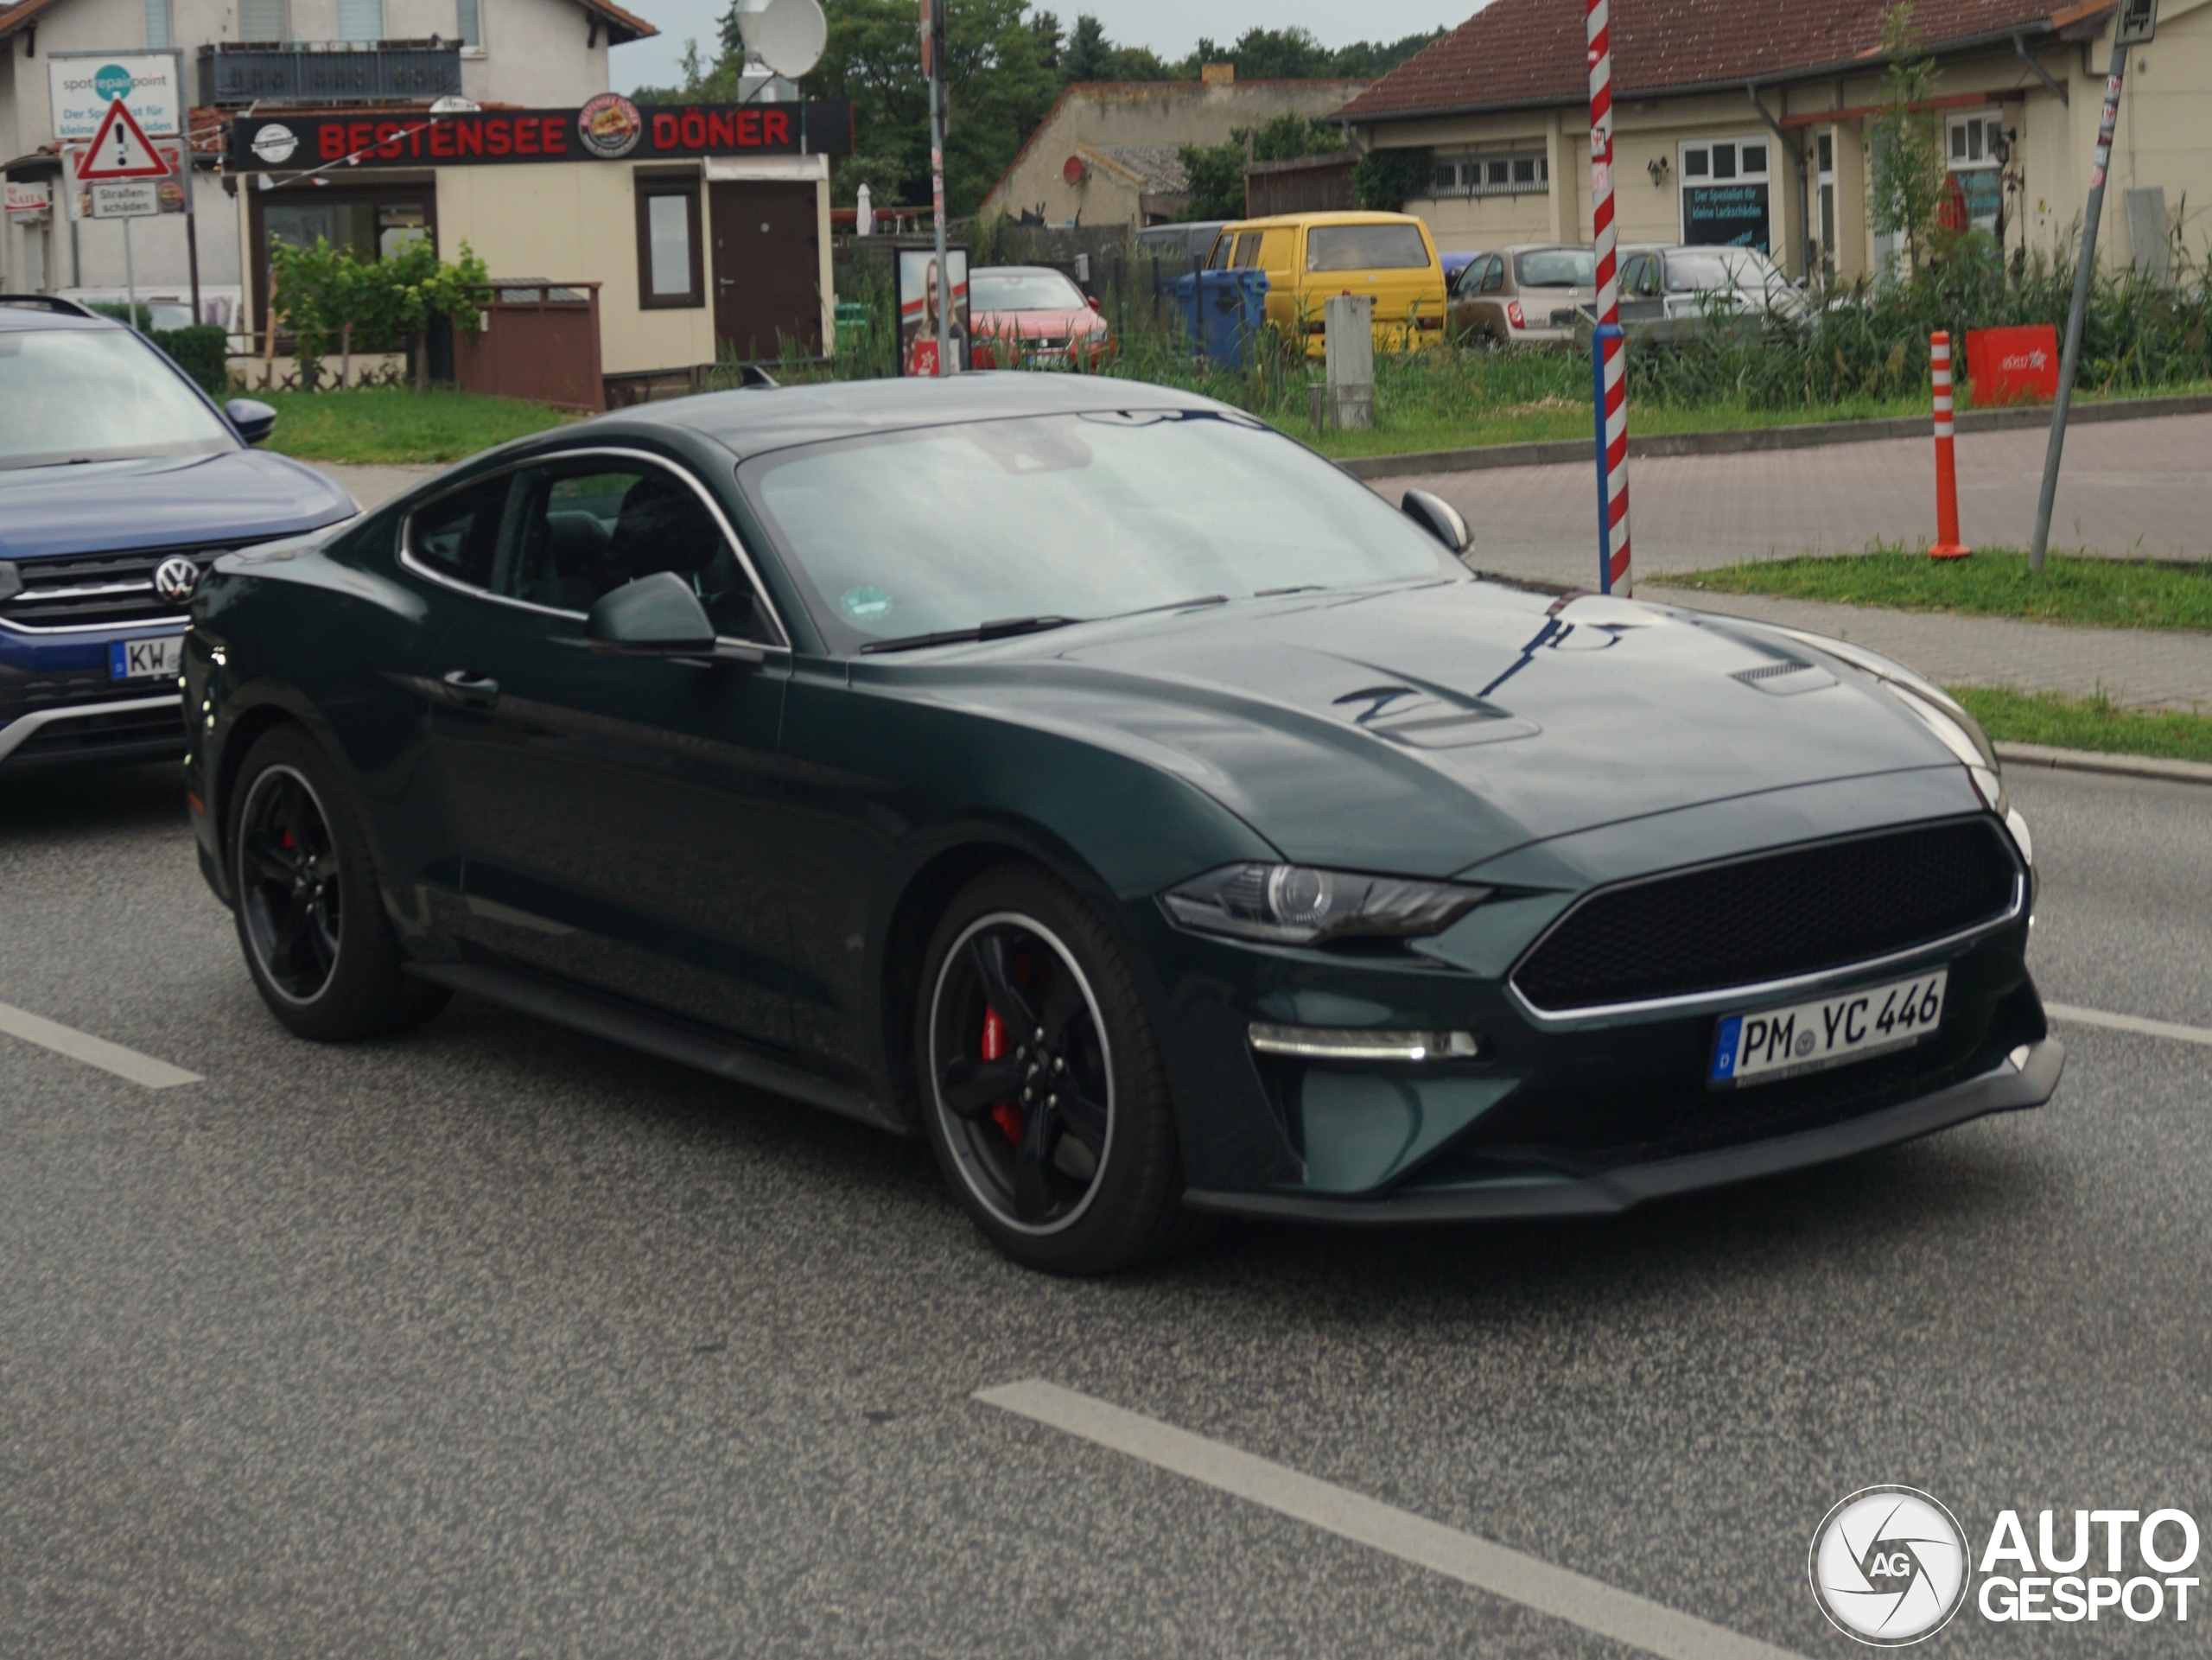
933,67
2137,22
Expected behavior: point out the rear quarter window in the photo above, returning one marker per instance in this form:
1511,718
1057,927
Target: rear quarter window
458,535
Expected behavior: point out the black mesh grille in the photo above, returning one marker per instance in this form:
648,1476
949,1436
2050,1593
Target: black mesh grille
1771,917
96,587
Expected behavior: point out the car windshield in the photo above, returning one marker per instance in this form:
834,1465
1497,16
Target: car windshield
96,395
1072,516
1365,247
1555,268
1022,290
1692,270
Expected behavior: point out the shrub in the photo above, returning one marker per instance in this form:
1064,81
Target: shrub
202,350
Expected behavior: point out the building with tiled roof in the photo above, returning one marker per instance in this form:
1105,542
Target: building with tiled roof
1108,152
1753,123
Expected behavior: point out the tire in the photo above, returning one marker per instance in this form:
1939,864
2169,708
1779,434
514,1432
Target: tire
310,917
1082,1174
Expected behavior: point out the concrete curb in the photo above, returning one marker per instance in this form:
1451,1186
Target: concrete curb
1808,437
2090,760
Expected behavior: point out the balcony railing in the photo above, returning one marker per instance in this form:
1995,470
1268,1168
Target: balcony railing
388,72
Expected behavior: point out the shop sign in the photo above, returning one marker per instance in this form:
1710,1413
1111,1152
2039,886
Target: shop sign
1725,216
84,85
28,203
608,129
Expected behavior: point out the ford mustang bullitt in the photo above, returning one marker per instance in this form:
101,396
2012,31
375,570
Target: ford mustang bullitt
1100,783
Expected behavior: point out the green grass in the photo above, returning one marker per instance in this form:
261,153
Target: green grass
1992,583
2087,723
386,425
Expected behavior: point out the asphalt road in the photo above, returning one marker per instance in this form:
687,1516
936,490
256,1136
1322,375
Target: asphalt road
497,1340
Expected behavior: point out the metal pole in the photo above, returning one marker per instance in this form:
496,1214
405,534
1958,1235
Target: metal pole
935,44
1612,385
2070,359
1600,337
191,235
130,277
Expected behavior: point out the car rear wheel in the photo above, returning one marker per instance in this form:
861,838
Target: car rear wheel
1040,1082
310,921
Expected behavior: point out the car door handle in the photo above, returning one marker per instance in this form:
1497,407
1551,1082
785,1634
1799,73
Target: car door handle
471,690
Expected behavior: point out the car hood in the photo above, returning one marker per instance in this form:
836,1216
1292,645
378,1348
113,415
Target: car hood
240,495
1423,730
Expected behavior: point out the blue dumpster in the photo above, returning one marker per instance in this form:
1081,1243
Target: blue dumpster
1222,310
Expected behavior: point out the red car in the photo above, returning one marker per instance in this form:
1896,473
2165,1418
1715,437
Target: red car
1032,313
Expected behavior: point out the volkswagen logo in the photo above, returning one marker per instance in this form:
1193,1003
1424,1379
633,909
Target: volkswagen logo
175,578
1888,1566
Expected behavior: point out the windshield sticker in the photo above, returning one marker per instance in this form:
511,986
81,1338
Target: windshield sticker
866,604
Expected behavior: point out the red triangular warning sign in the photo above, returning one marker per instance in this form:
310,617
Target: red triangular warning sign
120,149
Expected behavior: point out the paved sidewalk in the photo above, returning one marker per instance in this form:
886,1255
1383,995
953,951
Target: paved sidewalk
2131,488
2140,667
374,485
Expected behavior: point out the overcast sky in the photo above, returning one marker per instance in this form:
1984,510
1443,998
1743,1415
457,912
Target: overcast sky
1170,28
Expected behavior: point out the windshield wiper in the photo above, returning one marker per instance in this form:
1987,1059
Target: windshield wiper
1295,587
1004,628
1174,605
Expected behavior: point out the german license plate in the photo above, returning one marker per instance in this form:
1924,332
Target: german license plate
1778,1043
146,660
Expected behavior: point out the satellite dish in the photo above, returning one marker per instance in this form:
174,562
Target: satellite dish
787,36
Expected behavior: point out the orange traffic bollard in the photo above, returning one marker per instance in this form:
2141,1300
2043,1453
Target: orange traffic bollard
1948,546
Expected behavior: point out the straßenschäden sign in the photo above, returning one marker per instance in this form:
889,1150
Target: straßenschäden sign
608,129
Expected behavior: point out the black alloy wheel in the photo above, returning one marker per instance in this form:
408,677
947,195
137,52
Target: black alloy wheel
1022,1067
310,917
1042,1087
291,903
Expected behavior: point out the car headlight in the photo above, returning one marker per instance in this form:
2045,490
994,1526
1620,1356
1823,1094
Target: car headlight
1294,905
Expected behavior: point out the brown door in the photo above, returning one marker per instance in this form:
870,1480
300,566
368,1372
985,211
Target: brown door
767,267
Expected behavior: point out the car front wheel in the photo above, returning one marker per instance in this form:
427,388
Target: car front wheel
1041,1085
310,921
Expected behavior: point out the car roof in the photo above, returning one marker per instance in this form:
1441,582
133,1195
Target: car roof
1343,216
751,422
21,314
993,270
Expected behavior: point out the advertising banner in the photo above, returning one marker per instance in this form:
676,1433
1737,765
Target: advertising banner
83,84
1725,215
608,129
920,293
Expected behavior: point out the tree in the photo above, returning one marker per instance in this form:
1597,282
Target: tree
1089,54
1385,178
1909,171
1216,176
1294,54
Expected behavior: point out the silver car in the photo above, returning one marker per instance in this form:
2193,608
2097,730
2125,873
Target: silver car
1668,291
1528,292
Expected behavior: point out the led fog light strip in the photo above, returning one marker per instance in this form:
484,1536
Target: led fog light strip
1363,1043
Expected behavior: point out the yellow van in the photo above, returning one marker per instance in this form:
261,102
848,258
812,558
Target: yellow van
1310,256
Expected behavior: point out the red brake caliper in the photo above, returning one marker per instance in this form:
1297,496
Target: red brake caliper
1006,1114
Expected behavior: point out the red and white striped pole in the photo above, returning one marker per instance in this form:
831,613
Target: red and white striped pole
1948,546
1619,574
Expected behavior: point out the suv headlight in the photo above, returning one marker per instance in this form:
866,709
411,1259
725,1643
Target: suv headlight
1295,905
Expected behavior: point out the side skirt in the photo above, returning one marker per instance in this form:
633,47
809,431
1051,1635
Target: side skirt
686,1044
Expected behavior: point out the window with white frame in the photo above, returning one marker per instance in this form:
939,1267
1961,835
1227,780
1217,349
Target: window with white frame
360,22
469,21
1724,187
262,22
157,26
1516,173
1974,149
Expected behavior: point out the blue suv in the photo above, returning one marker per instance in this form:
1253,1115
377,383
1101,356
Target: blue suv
120,480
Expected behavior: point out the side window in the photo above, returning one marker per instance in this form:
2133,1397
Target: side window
1248,251
585,527
1223,246
1641,276
456,535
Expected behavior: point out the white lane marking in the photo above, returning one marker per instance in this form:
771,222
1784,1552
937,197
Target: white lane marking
1529,1580
93,1051
2134,1023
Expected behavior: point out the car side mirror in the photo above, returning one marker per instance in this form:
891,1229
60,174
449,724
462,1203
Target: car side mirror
657,615
1439,518
252,420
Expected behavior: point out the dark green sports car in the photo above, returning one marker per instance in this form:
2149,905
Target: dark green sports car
1090,779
